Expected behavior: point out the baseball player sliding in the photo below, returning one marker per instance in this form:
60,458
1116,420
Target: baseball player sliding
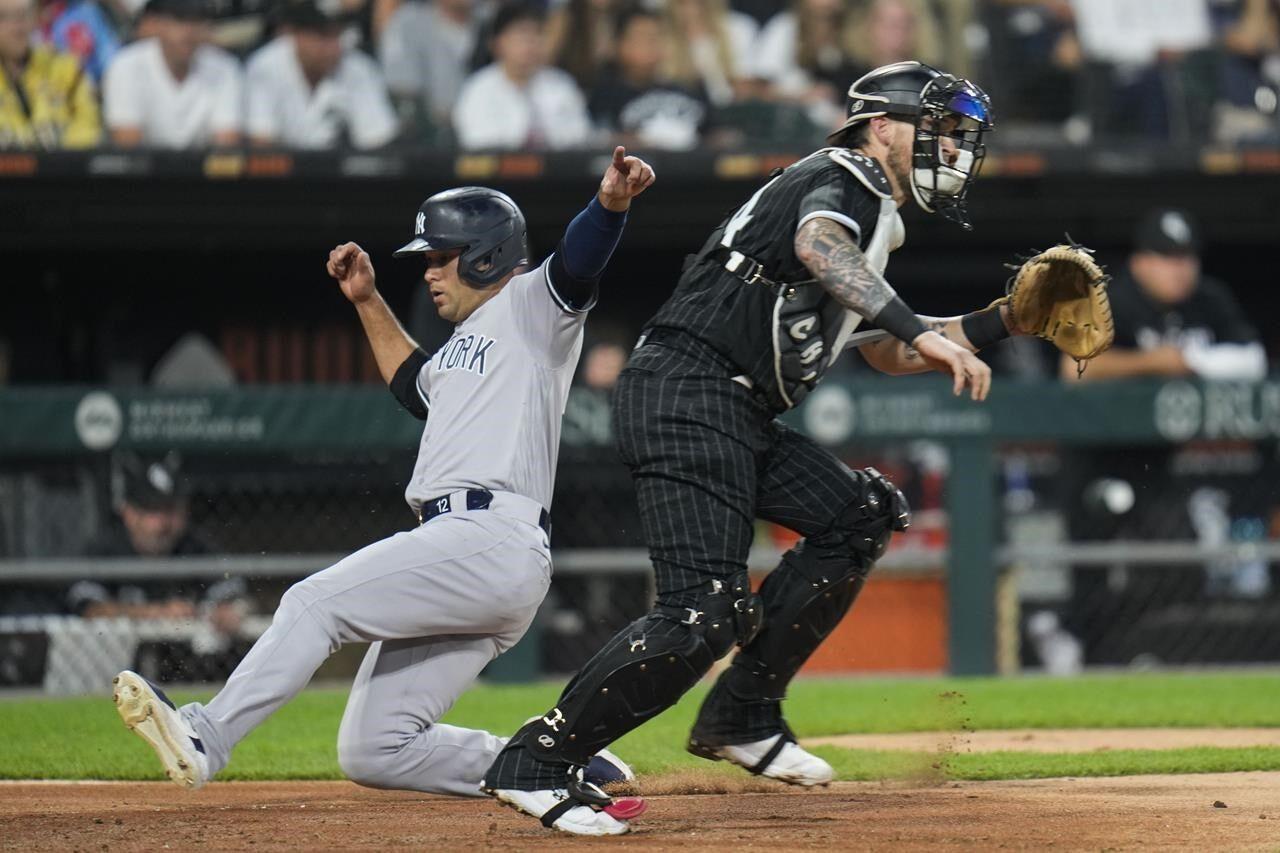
440,601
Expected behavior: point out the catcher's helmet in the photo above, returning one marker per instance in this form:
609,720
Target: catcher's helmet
938,104
486,224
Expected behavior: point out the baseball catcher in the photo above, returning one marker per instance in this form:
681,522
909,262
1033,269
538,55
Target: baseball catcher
778,290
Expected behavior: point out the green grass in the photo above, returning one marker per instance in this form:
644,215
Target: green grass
853,764
83,738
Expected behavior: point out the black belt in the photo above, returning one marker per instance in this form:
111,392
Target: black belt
735,263
476,499
752,271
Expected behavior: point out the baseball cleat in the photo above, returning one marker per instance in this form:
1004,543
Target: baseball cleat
785,761
606,768
557,811
149,714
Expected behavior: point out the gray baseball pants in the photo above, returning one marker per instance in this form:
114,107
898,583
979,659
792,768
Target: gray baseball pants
438,603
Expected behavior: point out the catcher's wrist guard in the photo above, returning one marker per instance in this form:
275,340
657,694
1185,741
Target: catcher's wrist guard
899,320
986,327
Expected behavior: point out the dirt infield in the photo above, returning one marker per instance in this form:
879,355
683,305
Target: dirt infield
1054,740
1151,812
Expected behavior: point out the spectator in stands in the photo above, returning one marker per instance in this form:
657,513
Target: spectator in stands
1249,69
710,48
518,101
888,31
632,98
174,90
46,100
1035,59
1145,74
804,56
1171,320
759,11
581,38
83,28
424,53
307,90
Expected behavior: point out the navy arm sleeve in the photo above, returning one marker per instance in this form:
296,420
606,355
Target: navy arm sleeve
405,388
588,243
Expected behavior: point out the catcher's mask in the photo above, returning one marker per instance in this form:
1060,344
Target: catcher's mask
938,105
485,224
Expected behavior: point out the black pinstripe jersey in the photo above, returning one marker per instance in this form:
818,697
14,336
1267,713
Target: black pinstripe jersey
739,320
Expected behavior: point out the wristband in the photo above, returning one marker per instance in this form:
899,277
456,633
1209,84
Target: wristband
900,321
984,328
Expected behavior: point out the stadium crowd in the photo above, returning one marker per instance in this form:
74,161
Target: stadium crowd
557,74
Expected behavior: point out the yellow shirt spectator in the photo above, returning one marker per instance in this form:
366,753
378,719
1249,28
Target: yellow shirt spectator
49,104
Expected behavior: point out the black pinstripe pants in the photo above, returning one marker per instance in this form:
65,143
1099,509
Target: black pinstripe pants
708,458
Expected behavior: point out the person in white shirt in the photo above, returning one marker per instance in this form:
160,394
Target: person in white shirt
173,90
425,51
305,89
518,101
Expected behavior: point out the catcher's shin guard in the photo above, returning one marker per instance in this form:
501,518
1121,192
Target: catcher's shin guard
804,600
641,672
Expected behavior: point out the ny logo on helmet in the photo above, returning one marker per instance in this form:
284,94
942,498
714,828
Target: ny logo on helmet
420,224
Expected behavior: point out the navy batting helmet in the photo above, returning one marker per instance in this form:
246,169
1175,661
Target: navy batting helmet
954,107
485,224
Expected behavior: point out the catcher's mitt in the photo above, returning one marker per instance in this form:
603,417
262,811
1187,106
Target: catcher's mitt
1061,295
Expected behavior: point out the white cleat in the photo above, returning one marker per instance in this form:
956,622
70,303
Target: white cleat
790,762
149,714
577,820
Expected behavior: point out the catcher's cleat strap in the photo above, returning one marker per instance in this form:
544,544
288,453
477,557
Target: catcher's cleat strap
763,764
557,811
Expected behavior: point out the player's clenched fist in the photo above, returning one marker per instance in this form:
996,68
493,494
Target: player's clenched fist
625,179
351,266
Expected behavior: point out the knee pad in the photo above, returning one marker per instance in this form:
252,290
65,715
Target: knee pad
728,613
643,671
865,524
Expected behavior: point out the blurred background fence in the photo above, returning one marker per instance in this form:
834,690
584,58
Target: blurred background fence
1056,527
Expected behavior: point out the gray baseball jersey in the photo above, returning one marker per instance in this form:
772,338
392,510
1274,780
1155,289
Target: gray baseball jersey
442,600
496,392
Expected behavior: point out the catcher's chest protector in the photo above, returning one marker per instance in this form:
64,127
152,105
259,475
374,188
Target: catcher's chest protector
810,327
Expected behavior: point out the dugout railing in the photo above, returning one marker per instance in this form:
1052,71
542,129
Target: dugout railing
997,554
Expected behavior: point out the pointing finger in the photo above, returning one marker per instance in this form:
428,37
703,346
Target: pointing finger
620,159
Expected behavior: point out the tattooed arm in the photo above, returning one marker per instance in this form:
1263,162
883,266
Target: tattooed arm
828,250
895,358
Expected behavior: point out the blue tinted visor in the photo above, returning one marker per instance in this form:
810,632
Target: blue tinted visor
972,106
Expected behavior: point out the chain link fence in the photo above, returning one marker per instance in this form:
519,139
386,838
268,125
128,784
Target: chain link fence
1112,556
1165,554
